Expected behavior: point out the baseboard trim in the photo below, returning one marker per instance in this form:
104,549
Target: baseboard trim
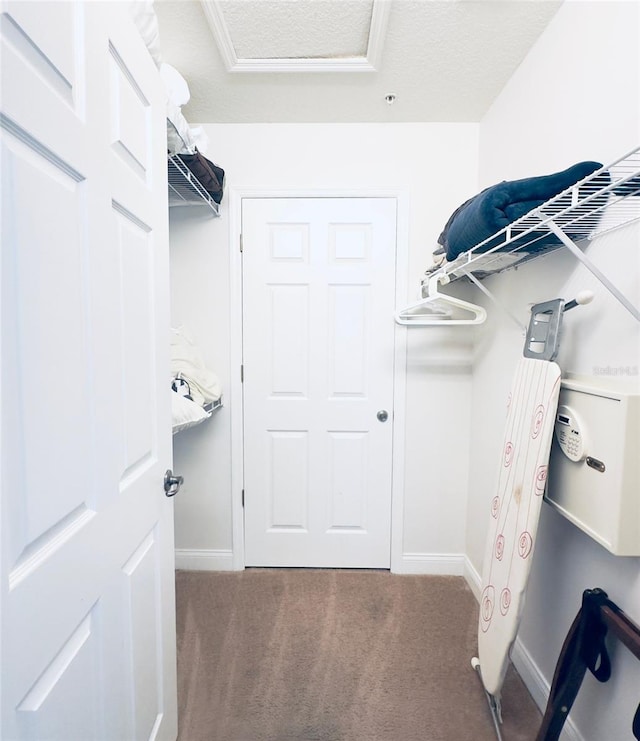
539,687
190,559
472,577
443,564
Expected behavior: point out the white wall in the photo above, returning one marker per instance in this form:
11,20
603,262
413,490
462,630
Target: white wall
435,164
575,97
199,302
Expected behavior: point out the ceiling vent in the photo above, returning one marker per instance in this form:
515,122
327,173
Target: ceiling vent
299,35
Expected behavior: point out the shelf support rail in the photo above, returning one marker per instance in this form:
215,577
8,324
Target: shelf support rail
498,303
571,245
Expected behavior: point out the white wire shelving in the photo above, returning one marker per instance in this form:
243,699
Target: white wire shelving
210,407
185,189
606,200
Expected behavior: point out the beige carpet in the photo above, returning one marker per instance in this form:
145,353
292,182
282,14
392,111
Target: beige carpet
326,655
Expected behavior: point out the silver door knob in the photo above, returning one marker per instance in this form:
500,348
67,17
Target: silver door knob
383,415
172,483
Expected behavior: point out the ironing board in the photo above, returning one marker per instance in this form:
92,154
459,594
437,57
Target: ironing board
515,509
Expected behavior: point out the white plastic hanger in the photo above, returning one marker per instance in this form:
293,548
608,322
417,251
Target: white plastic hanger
439,309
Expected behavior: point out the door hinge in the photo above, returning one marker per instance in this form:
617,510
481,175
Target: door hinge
242,374
241,243
243,497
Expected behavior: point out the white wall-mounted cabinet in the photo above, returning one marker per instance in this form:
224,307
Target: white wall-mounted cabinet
599,492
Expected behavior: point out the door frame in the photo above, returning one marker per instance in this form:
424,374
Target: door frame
236,194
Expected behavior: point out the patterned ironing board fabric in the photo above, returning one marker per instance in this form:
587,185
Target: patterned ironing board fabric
514,513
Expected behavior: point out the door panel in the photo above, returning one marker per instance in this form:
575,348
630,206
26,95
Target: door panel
143,610
287,487
135,255
318,334
71,678
349,307
43,420
87,604
348,457
289,352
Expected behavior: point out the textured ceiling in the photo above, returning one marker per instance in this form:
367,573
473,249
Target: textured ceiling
266,29
444,61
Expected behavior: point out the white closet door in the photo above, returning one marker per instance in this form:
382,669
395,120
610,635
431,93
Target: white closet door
318,334
88,617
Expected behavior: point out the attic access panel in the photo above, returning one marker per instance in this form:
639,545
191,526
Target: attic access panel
298,35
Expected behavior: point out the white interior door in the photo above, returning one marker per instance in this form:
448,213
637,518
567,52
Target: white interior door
87,601
318,337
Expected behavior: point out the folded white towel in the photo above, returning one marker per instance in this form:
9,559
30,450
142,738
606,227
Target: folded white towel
200,138
179,139
175,85
144,16
185,413
187,363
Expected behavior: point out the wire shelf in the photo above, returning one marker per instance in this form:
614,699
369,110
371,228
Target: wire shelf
185,189
212,406
606,200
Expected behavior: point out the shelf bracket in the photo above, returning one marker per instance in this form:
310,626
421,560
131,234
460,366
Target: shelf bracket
573,248
498,303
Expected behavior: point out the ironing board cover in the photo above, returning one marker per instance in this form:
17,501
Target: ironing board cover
515,510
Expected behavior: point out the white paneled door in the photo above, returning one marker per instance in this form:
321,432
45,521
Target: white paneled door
87,601
318,355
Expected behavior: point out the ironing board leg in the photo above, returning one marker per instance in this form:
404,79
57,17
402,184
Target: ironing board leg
494,705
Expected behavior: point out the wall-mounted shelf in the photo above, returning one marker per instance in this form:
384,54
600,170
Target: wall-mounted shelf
185,189
604,201
209,408
213,406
